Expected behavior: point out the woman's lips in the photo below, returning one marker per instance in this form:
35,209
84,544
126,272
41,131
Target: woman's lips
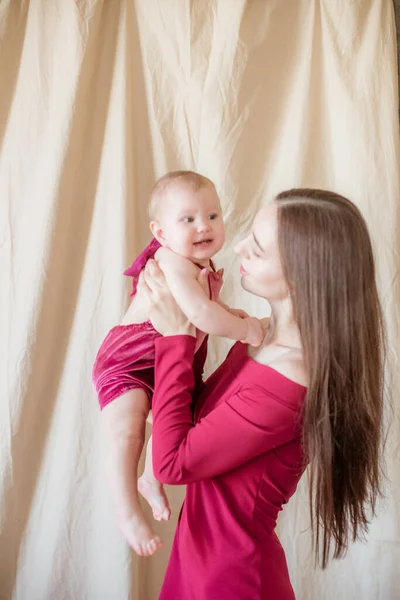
242,270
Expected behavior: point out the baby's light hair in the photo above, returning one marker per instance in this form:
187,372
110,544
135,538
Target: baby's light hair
194,180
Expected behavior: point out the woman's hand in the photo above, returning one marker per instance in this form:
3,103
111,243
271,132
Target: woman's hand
164,313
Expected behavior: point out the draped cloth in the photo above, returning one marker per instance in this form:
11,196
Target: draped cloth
98,99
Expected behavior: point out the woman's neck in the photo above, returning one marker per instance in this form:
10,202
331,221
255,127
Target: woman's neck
283,329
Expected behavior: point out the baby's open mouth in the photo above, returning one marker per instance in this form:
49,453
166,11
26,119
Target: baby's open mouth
203,243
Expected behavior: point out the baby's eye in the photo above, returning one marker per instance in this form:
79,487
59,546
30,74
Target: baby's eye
188,220
213,216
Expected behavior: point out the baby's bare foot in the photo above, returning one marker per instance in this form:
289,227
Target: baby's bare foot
139,535
153,491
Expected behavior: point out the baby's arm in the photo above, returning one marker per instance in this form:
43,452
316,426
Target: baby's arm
238,312
208,316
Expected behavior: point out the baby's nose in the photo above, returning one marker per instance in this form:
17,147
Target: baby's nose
204,225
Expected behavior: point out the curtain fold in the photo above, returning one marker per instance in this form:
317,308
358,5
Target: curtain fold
98,98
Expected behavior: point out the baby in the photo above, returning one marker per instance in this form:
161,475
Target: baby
188,229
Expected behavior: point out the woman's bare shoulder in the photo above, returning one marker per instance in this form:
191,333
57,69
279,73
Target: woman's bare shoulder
291,365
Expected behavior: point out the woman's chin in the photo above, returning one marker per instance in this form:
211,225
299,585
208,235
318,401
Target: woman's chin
247,287
244,283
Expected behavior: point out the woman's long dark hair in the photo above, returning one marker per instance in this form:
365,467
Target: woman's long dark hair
328,262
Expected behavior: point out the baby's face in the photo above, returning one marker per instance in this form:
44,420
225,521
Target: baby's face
191,222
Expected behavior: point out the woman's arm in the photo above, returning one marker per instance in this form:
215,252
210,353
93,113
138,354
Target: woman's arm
207,315
251,423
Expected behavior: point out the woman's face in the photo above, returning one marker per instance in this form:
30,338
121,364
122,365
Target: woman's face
261,268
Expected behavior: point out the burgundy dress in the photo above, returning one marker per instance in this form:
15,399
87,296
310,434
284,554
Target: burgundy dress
241,459
125,360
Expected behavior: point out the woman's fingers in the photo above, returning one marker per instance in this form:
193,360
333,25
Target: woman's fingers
152,283
154,277
155,271
202,278
142,287
164,313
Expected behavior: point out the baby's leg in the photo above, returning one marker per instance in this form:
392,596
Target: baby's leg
125,421
152,490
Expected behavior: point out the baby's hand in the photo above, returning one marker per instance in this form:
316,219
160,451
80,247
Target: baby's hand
255,332
238,312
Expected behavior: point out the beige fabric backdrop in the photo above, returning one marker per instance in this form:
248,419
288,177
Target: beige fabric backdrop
98,98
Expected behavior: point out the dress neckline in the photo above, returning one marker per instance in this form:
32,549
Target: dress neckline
211,265
261,366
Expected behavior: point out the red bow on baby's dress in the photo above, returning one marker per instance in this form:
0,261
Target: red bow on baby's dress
140,262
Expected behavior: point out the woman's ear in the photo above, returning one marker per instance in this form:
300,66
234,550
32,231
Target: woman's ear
157,232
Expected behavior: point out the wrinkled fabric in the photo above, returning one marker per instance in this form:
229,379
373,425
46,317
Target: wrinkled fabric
98,99
246,436
125,360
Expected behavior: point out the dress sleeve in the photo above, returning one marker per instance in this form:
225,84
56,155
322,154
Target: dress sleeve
250,423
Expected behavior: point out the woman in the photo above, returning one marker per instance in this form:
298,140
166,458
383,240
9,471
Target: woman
312,392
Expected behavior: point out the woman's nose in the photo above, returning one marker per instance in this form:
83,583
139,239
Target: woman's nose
241,249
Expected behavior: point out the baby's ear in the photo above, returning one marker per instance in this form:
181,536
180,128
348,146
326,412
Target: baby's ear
157,232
